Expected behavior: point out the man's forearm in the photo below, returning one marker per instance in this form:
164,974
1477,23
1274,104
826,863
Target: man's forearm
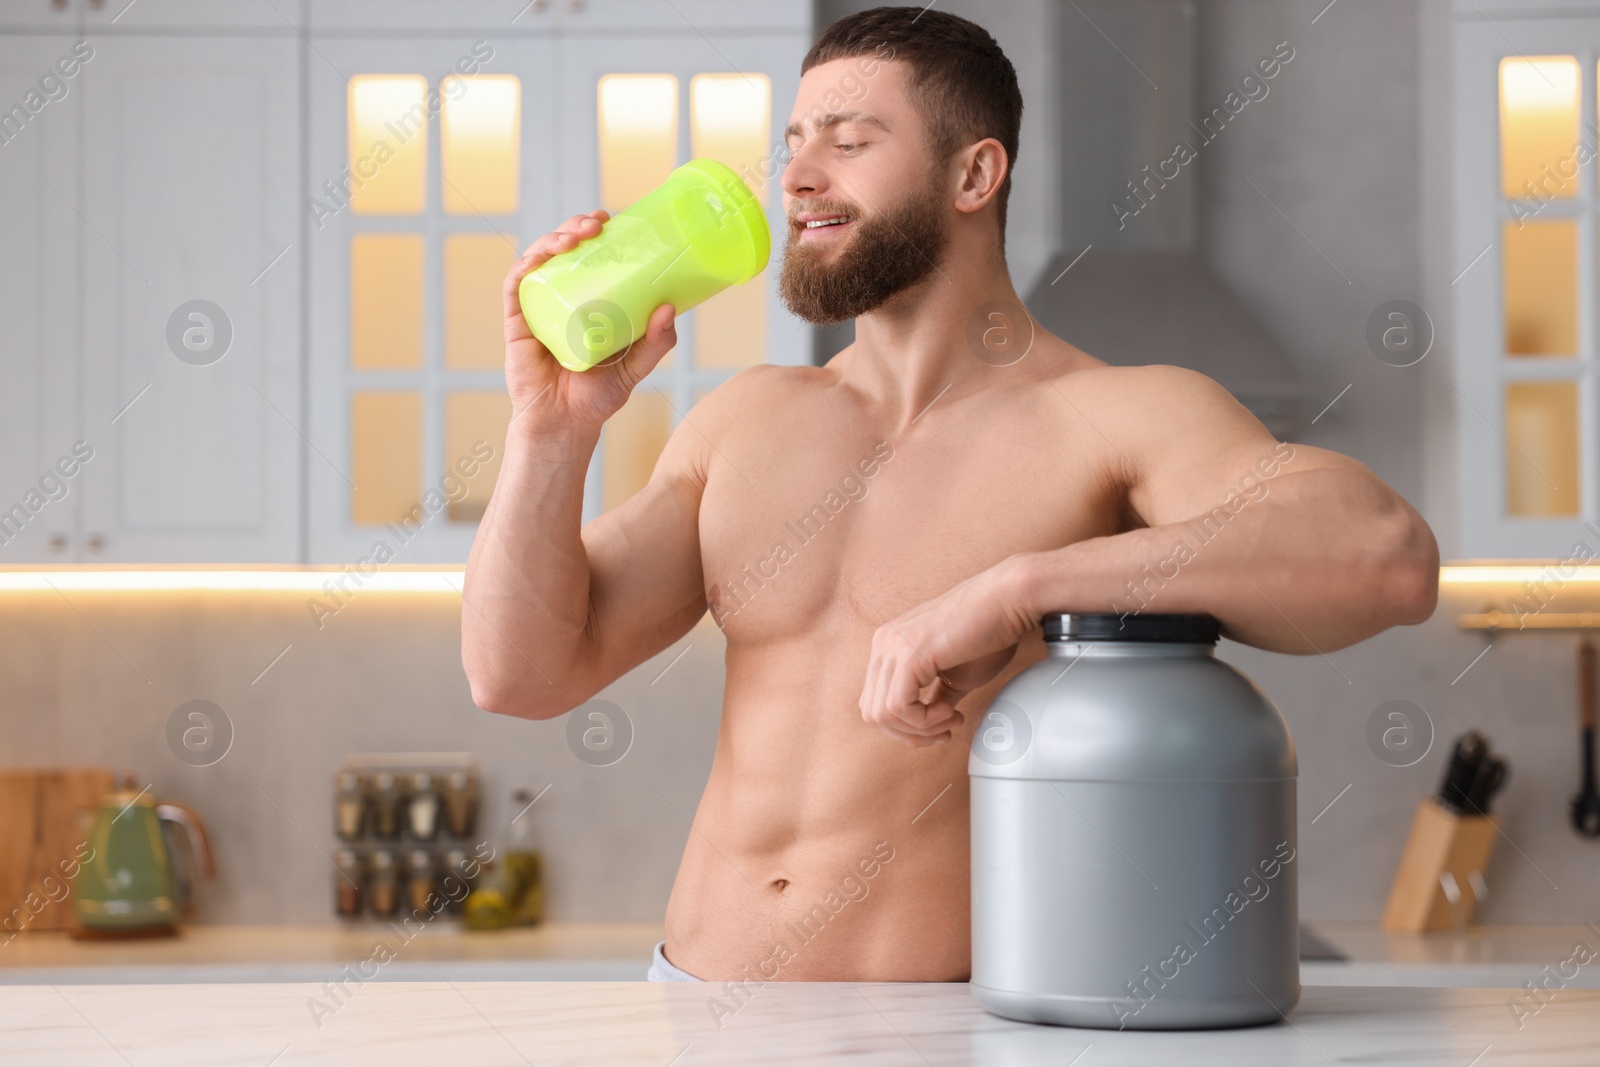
527,580
1324,559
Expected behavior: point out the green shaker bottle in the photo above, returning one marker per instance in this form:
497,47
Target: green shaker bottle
683,242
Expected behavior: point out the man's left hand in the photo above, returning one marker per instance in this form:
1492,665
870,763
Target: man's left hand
925,661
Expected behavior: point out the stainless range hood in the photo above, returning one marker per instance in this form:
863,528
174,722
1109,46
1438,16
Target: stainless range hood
1142,293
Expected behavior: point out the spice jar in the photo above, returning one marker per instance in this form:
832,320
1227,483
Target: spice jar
347,881
460,802
349,805
386,815
419,881
422,806
385,883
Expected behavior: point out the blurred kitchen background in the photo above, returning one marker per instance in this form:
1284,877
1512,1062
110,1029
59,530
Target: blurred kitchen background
206,281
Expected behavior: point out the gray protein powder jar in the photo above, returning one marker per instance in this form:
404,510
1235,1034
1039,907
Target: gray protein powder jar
1133,835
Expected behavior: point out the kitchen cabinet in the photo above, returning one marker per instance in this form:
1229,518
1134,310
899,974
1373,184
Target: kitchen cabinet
153,179
39,272
1527,407
406,360
443,144
48,16
271,358
191,300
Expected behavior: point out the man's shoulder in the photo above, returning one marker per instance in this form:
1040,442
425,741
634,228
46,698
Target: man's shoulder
1155,390
760,385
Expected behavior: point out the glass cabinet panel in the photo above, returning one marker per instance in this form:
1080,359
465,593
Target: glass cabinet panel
634,438
475,266
480,145
1538,125
386,301
388,121
475,425
1542,466
638,135
1540,264
386,455
730,120
731,327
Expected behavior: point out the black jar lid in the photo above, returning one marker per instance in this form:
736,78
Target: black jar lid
1110,626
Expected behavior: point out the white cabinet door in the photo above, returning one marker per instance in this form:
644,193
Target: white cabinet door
189,16
662,121
498,19
192,239
50,16
408,247
704,19
40,296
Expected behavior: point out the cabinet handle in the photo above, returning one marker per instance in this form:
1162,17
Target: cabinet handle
575,6
95,542
58,540
59,5
97,4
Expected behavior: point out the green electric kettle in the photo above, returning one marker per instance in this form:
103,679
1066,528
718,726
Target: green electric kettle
131,884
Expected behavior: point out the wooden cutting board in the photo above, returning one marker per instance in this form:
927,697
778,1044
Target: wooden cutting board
39,830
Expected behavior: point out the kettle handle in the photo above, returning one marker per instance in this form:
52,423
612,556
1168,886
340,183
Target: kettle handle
185,817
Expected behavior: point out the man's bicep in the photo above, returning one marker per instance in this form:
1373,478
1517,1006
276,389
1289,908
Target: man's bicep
1196,449
646,585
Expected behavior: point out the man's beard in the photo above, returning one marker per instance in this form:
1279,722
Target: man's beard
888,253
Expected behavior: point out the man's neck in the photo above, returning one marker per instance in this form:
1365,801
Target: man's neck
924,345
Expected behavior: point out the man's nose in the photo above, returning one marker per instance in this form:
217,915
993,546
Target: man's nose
804,175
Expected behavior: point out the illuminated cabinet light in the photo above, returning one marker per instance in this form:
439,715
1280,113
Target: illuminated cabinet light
475,424
631,444
388,122
480,143
730,121
1542,449
386,456
475,266
1538,126
1539,268
386,301
638,120
392,578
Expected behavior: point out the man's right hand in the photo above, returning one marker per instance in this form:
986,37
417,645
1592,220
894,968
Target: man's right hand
545,396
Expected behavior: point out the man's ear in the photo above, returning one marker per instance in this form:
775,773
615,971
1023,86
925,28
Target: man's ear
983,168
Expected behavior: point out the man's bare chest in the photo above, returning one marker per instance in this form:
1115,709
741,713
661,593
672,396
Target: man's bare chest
851,529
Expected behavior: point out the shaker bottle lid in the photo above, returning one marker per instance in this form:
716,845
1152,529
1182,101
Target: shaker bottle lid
1109,626
746,211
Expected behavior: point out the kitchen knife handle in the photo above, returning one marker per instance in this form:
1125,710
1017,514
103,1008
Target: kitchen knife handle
1470,750
1586,683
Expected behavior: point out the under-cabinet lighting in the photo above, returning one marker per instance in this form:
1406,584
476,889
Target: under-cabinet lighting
1559,570
300,580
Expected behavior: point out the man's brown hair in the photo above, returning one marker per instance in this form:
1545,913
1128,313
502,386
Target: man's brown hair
962,82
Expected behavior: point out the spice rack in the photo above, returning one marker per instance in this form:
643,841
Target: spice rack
405,824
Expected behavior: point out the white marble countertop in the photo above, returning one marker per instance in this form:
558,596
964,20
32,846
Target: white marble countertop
1491,955
672,1025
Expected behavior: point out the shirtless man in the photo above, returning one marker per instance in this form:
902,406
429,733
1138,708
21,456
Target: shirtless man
879,537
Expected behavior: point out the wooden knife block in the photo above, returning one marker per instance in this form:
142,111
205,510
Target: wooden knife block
1442,842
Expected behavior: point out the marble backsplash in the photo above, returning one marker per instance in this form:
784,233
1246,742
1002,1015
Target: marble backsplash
94,681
